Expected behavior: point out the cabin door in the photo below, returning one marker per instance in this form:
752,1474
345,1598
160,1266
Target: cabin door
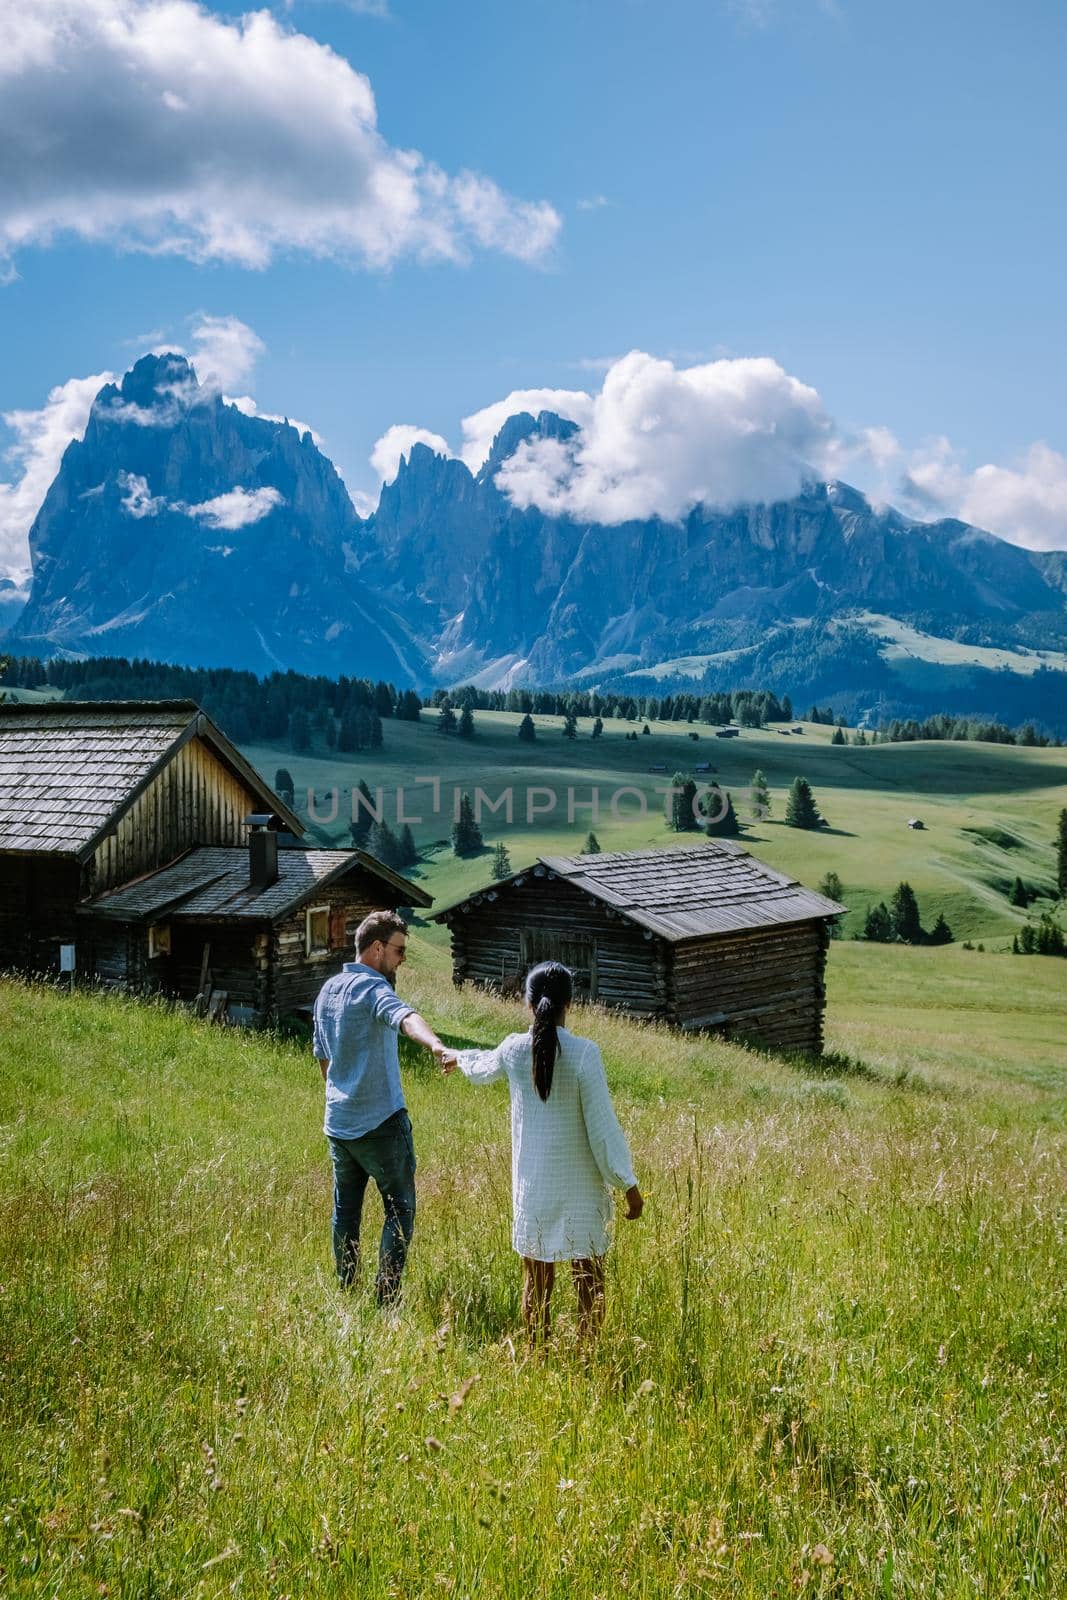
575,952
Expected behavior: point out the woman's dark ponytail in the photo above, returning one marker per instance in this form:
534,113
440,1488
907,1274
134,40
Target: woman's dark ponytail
549,988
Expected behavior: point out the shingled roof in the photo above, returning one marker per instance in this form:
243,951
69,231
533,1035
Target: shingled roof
211,881
68,770
684,893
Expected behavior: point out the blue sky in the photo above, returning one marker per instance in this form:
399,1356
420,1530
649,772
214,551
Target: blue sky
870,193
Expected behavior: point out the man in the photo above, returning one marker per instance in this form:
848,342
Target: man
357,1016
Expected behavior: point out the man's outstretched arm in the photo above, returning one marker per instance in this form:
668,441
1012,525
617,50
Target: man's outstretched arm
415,1028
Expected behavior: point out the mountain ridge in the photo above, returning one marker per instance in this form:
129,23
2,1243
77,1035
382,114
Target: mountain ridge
181,528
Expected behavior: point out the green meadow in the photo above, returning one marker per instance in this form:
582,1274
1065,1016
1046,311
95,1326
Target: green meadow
833,1363
989,811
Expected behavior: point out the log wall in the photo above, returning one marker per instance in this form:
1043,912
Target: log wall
296,977
37,899
766,984
111,953
631,972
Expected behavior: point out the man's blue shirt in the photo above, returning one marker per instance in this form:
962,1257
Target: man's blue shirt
357,1017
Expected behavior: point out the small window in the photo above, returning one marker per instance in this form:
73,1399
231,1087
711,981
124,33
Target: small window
318,930
158,940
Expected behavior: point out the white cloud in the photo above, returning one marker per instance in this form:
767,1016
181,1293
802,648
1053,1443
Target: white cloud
221,139
40,439
659,440
397,442
594,202
138,500
1025,503
238,508
480,429
225,351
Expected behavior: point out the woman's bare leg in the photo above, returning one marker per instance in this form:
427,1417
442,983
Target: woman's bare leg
589,1282
538,1279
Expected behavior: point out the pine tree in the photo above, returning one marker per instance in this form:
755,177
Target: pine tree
591,847
838,736
1061,855
527,731
466,834
446,718
300,729
283,785
383,844
878,926
832,887
683,810
905,911
646,729
363,815
466,723
1019,896
598,728
800,808
570,725
501,867
723,823
761,795
348,731
941,933
407,850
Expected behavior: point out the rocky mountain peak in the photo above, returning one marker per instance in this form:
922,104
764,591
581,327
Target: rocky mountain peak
520,427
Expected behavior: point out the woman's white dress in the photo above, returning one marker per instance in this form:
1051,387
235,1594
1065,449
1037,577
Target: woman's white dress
567,1152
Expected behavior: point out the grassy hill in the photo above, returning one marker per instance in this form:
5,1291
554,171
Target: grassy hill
833,1363
989,810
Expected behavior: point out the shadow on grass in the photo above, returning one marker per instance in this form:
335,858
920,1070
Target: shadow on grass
837,1064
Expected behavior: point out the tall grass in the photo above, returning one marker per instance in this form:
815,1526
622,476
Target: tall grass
833,1361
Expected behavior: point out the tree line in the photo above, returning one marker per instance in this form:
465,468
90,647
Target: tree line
346,713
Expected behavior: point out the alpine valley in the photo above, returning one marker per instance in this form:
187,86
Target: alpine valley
183,530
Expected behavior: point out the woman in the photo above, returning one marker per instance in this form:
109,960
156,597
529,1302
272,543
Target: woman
567,1151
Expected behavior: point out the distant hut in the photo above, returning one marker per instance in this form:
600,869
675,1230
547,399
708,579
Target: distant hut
126,858
703,936
916,822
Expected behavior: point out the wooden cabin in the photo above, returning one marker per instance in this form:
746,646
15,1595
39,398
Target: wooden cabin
704,936
251,933
150,800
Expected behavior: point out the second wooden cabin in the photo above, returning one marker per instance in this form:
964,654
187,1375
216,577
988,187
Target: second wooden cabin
703,936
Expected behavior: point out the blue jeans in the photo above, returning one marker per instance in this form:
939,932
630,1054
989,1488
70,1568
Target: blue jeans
386,1154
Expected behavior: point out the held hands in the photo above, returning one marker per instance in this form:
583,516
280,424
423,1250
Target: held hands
446,1059
634,1204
